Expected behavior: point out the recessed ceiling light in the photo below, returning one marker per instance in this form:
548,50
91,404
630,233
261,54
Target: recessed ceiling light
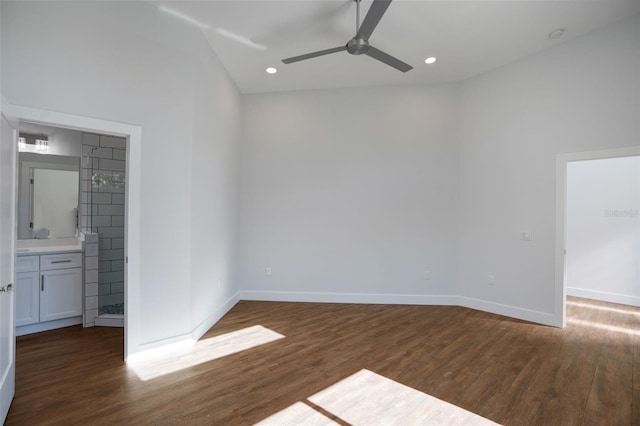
555,34
271,70
430,60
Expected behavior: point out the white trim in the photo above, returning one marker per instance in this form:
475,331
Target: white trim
560,292
605,296
318,297
400,299
629,151
8,376
560,288
209,322
184,339
46,326
133,133
507,310
164,346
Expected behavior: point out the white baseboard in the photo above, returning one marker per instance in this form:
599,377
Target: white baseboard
604,296
181,340
46,326
401,299
160,346
508,311
361,298
189,338
318,297
210,321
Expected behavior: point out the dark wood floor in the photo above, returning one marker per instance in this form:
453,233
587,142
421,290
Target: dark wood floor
509,371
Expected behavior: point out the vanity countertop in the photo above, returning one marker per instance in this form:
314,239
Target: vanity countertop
60,245
47,250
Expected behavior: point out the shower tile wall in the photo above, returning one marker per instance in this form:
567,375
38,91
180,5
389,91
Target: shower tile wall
91,299
103,211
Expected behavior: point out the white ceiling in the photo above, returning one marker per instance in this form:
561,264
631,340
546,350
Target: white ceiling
467,37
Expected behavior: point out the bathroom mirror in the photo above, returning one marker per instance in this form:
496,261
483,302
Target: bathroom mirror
48,189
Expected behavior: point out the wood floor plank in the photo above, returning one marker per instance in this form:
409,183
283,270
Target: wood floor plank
611,395
510,371
569,389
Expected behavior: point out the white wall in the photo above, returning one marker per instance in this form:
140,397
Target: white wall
129,62
603,229
579,96
350,194
215,188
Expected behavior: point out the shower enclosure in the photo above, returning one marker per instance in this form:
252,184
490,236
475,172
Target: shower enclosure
103,211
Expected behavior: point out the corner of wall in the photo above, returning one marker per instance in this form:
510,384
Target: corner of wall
216,316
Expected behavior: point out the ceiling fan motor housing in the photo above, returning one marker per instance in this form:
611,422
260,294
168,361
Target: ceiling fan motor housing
357,46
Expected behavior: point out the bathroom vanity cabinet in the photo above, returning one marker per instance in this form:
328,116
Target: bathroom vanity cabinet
48,289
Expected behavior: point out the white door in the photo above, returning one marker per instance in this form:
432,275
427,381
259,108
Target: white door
8,143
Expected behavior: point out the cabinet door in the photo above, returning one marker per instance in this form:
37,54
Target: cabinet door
27,298
60,294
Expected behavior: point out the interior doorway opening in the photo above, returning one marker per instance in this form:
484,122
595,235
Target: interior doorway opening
131,137
597,233
603,230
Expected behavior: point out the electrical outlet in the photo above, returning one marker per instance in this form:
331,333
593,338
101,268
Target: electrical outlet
525,235
492,280
267,271
219,283
427,275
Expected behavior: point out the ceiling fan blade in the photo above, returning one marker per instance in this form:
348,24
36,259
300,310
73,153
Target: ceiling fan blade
388,59
314,54
377,9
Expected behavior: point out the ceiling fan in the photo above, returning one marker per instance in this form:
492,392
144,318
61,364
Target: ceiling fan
359,44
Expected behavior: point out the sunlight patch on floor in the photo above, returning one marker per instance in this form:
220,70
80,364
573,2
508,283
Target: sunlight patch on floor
159,363
623,311
631,331
366,398
297,414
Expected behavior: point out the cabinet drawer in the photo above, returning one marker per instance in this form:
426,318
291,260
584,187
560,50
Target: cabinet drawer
60,261
27,264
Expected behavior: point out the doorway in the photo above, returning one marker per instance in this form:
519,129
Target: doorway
131,135
603,230
592,228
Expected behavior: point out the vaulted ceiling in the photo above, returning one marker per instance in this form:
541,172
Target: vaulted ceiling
467,37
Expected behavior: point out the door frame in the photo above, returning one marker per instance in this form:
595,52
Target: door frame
560,293
8,377
133,135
